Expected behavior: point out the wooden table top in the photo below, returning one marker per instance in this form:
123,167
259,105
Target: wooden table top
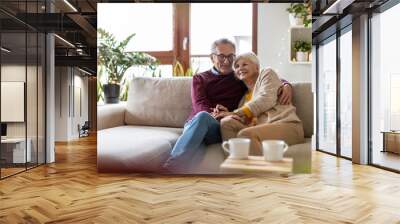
391,132
257,164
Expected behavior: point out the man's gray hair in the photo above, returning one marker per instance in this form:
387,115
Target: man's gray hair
221,41
249,56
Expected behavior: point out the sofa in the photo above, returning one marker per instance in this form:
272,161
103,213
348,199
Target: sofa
137,136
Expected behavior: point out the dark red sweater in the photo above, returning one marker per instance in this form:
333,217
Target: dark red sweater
209,89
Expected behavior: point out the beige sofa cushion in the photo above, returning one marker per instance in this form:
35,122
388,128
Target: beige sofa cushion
145,149
303,101
162,102
166,102
134,148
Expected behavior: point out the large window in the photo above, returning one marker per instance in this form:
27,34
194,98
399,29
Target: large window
335,93
385,88
346,93
377,82
180,32
205,29
327,96
152,34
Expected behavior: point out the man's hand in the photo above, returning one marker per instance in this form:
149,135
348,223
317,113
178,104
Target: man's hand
285,93
217,110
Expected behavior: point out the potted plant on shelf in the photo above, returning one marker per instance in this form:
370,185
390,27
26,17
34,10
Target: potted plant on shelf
300,14
302,49
116,61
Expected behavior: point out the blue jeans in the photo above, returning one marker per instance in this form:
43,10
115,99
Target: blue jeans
201,129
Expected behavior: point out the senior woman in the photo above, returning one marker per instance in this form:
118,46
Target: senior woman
260,116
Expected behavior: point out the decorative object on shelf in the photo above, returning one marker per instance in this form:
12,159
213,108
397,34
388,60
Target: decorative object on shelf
302,49
300,14
116,61
299,33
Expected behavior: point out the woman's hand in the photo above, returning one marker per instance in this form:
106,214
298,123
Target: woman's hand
223,114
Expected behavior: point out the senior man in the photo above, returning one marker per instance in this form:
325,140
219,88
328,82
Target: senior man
217,86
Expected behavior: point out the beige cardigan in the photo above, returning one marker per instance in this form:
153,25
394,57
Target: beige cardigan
264,102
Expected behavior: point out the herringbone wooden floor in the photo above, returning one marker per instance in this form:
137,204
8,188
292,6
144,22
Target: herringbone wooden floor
71,191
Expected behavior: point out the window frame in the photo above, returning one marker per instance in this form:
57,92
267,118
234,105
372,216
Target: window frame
333,37
343,31
181,30
379,10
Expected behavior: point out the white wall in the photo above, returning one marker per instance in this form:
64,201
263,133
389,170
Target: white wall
62,82
69,85
79,117
273,43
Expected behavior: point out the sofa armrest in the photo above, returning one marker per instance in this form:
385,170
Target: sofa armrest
110,115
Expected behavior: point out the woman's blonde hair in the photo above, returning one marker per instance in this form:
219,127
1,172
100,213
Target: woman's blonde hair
249,56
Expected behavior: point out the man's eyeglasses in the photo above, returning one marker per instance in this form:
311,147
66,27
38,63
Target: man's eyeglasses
222,57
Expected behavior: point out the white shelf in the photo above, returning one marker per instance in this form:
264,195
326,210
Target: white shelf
299,27
298,33
300,62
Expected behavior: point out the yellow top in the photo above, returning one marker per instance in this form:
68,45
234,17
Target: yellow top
246,109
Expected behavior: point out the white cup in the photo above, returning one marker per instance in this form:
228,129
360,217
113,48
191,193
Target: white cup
273,149
237,148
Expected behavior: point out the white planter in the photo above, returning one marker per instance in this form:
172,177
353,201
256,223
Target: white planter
295,21
301,56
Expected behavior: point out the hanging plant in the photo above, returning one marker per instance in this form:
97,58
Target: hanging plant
300,14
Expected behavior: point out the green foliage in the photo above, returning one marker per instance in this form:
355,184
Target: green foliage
179,71
302,46
191,72
124,92
116,60
156,74
100,93
301,10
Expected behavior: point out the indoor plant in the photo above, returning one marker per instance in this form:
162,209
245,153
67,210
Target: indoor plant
100,92
179,71
116,61
299,14
302,48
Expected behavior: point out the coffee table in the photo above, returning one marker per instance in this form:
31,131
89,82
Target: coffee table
257,164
